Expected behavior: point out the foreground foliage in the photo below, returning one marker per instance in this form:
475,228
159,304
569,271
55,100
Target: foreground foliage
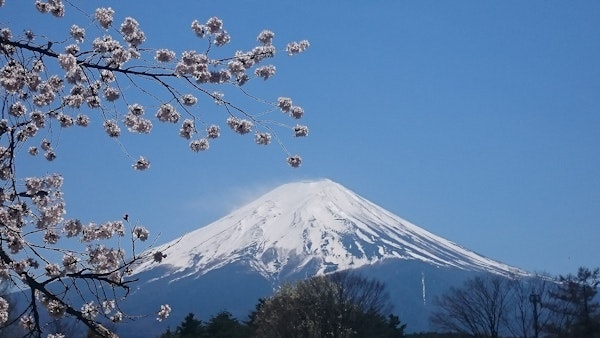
96,72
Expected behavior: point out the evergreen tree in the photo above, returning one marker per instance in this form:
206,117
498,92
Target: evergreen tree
168,334
576,312
190,327
223,325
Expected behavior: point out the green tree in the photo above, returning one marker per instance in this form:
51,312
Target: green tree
576,312
168,334
190,327
395,328
221,325
224,325
340,305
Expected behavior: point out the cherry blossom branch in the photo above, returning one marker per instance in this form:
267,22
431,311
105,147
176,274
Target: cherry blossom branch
39,96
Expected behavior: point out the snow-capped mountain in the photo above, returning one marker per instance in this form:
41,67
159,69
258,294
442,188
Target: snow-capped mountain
312,228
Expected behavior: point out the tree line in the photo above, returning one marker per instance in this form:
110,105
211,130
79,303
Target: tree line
339,305
493,306
345,305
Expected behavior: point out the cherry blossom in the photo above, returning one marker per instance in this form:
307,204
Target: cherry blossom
164,312
91,76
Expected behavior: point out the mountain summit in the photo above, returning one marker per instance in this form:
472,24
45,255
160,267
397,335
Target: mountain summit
308,228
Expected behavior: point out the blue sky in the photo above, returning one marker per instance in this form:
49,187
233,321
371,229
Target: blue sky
477,120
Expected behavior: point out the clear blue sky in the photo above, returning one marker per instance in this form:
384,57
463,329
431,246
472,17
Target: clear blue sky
477,120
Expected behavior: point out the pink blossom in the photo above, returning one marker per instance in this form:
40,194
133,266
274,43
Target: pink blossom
104,16
164,312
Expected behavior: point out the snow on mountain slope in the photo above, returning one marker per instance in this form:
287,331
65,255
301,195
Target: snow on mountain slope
320,226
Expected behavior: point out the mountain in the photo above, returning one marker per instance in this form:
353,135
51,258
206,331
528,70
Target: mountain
314,227
300,230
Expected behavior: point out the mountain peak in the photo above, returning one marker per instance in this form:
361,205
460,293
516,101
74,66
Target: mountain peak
313,227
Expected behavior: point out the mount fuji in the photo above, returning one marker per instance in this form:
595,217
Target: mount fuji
313,227
296,231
